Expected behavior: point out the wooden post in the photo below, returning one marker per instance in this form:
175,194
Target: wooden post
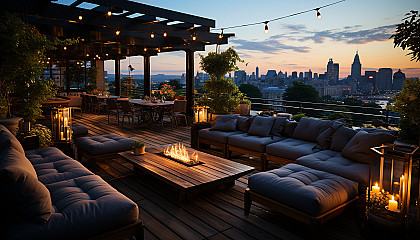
117,77
147,79
68,76
190,82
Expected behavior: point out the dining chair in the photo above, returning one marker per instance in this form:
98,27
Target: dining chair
96,104
75,104
126,111
113,109
179,109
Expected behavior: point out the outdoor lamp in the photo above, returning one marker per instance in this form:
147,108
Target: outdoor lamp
318,14
61,124
201,114
266,28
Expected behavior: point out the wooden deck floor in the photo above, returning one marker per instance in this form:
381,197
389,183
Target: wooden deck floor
215,214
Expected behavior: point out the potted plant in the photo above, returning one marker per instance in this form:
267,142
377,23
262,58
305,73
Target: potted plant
244,107
138,148
44,134
222,95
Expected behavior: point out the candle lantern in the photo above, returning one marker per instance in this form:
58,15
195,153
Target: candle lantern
201,114
61,124
393,191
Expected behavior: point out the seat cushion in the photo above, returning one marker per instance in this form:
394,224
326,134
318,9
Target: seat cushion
291,148
254,143
217,136
79,129
83,207
333,162
358,148
225,123
22,195
308,190
309,129
52,165
261,126
104,144
8,139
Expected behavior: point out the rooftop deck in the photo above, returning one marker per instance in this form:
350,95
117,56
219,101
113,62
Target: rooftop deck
214,214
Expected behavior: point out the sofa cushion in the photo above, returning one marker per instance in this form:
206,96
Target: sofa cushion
278,126
103,144
289,128
226,123
22,195
358,148
291,148
254,143
246,124
308,190
52,165
261,126
341,137
84,207
333,162
309,129
217,136
8,139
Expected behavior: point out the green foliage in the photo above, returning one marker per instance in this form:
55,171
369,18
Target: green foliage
137,144
44,134
77,73
408,35
219,64
302,92
250,90
334,116
409,133
297,117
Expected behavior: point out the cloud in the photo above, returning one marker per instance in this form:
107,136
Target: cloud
270,45
295,27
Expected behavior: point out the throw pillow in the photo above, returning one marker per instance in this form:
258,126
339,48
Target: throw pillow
245,125
358,148
289,128
261,126
309,129
341,137
278,125
225,123
8,139
239,121
324,139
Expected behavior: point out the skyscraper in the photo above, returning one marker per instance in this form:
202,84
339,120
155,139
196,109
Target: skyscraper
294,75
336,72
300,75
257,72
398,82
384,79
333,70
356,67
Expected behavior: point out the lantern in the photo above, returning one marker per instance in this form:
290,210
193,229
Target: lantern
391,199
61,124
201,114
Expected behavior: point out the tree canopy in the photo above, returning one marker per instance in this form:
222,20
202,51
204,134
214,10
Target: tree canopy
302,92
250,90
408,35
219,64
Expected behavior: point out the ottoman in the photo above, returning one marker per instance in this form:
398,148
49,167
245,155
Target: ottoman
101,147
305,194
79,130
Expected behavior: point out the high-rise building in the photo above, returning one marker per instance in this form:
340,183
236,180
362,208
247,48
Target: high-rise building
384,79
271,74
356,67
333,70
369,82
300,75
240,77
398,82
336,72
257,72
315,75
294,75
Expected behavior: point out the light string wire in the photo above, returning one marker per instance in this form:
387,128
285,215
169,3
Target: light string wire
276,19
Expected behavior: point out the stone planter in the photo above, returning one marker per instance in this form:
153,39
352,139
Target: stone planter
139,151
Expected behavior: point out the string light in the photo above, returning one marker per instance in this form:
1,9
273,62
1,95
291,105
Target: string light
117,32
87,54
194,37
165,34
65,48
266,28
318,14
109,13
221,34
145,49
152,35
80,17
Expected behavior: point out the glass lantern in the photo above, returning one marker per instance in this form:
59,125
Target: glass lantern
61,124
391,200
201,114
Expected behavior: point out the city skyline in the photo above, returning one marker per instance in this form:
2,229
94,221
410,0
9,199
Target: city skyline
298,43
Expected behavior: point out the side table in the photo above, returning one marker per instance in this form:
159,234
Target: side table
195,128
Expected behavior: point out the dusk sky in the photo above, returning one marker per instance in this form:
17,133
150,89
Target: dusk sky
297,43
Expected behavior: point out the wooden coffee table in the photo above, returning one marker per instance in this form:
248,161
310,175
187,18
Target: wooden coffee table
215,172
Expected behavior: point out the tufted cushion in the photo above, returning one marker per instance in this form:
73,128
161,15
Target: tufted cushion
8,139
97,145
225,123
22,195
261,126
291,148
289,128
83,207
79,129
254,143
341,137
311,191
278,125
332,162
217,136
358,148
52,165
309,129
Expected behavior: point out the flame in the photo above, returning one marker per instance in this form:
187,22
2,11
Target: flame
179,152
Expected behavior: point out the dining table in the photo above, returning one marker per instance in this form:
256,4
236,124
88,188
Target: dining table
155,109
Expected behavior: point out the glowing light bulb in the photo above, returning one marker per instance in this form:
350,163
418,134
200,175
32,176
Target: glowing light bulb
109,13
80,17
266,28
65,48
318,14
194,38
152,35
165,34
117,32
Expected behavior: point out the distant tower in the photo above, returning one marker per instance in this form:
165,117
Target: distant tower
399,78
310,74
294,75
384,79
336,72
257,72
356,67
330,71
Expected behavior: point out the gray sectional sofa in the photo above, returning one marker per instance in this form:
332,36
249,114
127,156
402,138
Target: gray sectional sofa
47,195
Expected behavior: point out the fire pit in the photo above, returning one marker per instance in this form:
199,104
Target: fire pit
179,153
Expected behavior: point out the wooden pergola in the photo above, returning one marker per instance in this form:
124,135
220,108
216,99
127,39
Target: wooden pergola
116,29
